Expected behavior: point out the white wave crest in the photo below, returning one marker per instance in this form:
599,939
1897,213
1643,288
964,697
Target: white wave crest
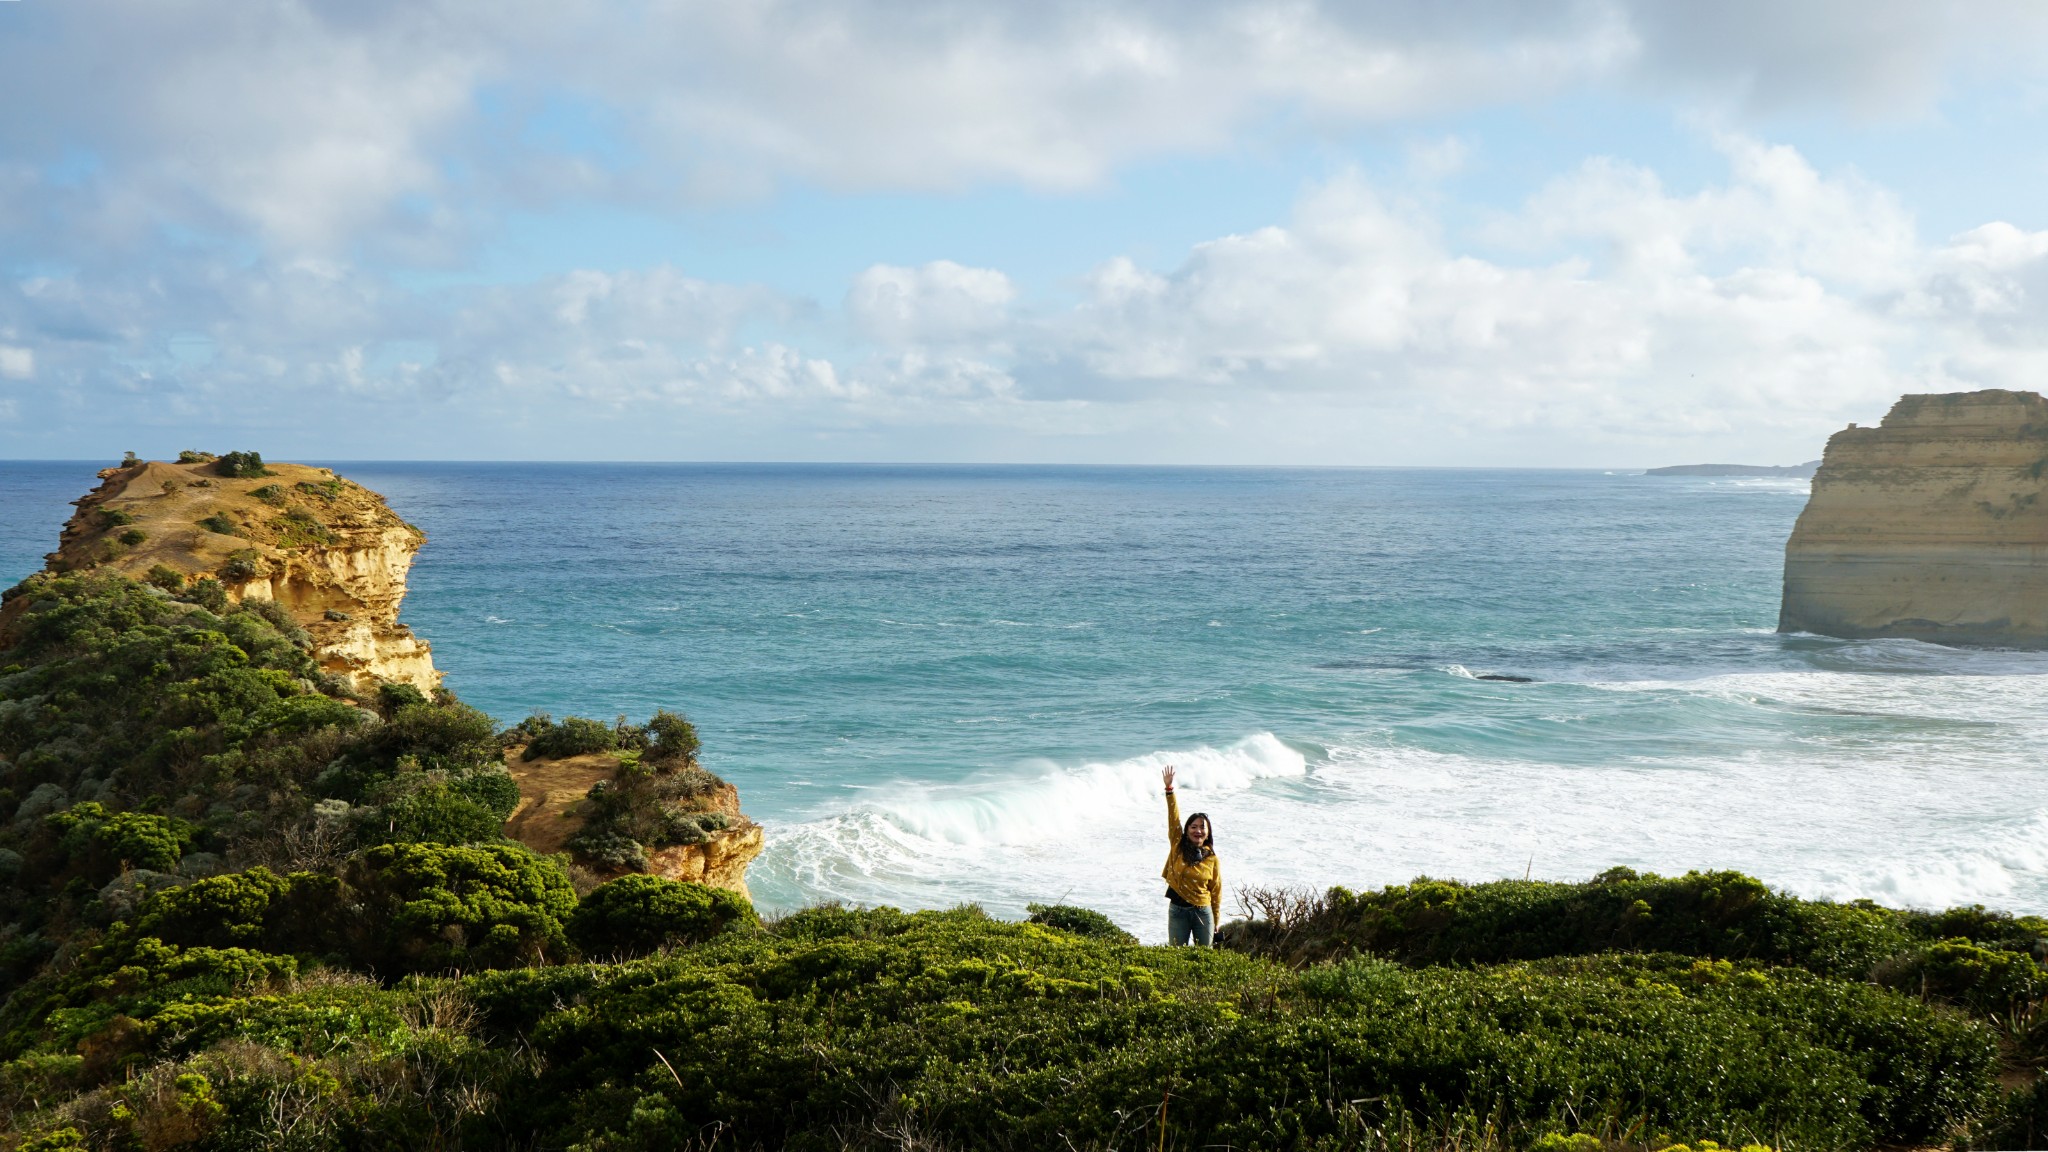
1059,825
1028,810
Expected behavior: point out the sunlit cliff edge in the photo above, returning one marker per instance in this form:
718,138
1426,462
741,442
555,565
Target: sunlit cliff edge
1930,526
326,550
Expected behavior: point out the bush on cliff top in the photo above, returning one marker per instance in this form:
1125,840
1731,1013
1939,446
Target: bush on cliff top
1080,921
574,736
241,465
1711,914
635,915
438,907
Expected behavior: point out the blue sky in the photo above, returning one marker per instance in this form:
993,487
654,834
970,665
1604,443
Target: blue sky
1597,233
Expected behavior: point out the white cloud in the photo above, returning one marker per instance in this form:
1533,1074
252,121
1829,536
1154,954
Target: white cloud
401,130
1430,160
937,303
1874,60
1776,302
1747,304
1775,210
263,179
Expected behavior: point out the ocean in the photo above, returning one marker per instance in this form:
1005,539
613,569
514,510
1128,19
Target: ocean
938,685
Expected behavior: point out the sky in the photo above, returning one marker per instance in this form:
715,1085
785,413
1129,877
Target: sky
1608,233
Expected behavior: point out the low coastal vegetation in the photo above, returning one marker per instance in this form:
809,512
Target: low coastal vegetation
248,906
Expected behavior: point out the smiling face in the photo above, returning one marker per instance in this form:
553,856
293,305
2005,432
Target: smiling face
1198,830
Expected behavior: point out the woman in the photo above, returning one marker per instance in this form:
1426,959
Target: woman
1194,877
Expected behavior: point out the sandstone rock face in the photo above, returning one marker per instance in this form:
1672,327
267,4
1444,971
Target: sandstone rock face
326,550
1931,526
720,862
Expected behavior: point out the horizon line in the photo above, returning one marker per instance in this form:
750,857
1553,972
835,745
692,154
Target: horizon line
953,464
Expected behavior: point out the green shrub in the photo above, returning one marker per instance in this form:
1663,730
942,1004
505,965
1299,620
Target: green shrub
676,827
113,517
394,695
1080,921
188,456
257,909
1979,925
324,489
67,1138
93,1005
449,737
1714,914
269,493
295,715
656,804
133,537
433,907
1982,980
166,577
438,814
674,738
102,843
608,851
244,565
298,528
1575,1142
2020,1120
208,594
241,465
637,914
219,524
574,736
495,789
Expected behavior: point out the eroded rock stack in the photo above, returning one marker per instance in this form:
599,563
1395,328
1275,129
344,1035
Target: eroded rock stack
1930,526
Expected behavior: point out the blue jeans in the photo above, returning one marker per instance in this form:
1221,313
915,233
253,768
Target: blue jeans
1184,921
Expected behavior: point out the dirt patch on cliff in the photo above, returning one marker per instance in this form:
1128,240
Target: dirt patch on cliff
551,794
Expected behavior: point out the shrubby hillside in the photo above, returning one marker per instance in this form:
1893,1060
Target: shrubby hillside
248,906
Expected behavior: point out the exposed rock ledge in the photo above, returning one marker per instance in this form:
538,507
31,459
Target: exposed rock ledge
326,550
1931,526
553,795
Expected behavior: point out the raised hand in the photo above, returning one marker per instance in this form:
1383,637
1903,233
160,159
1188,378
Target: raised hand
1167,776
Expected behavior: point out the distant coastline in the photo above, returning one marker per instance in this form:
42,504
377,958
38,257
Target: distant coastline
1792,471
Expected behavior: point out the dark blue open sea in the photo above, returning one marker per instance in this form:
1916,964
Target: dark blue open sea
947,684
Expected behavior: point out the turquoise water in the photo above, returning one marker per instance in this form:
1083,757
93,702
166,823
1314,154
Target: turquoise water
948,684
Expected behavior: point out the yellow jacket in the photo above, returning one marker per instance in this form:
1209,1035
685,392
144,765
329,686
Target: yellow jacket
1198,884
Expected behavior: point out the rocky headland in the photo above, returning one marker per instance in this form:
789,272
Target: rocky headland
220,532
325,549
1930,526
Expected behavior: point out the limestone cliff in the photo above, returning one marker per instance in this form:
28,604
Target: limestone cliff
326,550
1930,526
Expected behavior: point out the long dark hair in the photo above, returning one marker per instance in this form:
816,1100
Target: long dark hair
1190,852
